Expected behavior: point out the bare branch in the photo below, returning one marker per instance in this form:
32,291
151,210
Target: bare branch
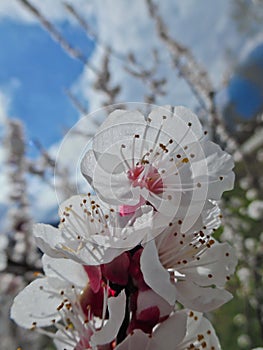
56,35
76,102
91,33
103,81
129,61
184,61
20,219
21,269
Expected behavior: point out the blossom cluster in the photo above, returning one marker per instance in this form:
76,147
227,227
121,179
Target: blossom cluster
134,264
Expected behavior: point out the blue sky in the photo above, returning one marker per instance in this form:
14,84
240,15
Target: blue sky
36,71
245,87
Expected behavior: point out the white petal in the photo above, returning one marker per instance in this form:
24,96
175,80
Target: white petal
88,165
167,335
156,115
170,332
208,220
73,202
203,299
212,175
209,164
138,340
211,338
148,298
62,342
198,326
116,307
89,254
167,204
66,269
119,127
155,275
158,224
47,237
218,262
36,304
112,188
176,125
53,242
121,116
183,116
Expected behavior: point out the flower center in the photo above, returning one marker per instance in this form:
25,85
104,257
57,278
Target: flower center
146,177
142,177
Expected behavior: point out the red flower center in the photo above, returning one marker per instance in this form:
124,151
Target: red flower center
144,178
151,180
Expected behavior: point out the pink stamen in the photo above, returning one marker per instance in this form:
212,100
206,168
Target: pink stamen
152,180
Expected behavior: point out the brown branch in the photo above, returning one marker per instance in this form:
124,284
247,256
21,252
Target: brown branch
76,103
20,268
56,35
82,22
129,61
184,61
91,33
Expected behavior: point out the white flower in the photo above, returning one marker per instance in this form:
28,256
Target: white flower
92,236
164,159
191,268
255,209
57,300
183,330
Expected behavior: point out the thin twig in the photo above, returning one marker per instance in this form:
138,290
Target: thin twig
57,36
76,102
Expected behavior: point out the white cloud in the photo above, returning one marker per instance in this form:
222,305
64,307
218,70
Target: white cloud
4,106
207,30
52,9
